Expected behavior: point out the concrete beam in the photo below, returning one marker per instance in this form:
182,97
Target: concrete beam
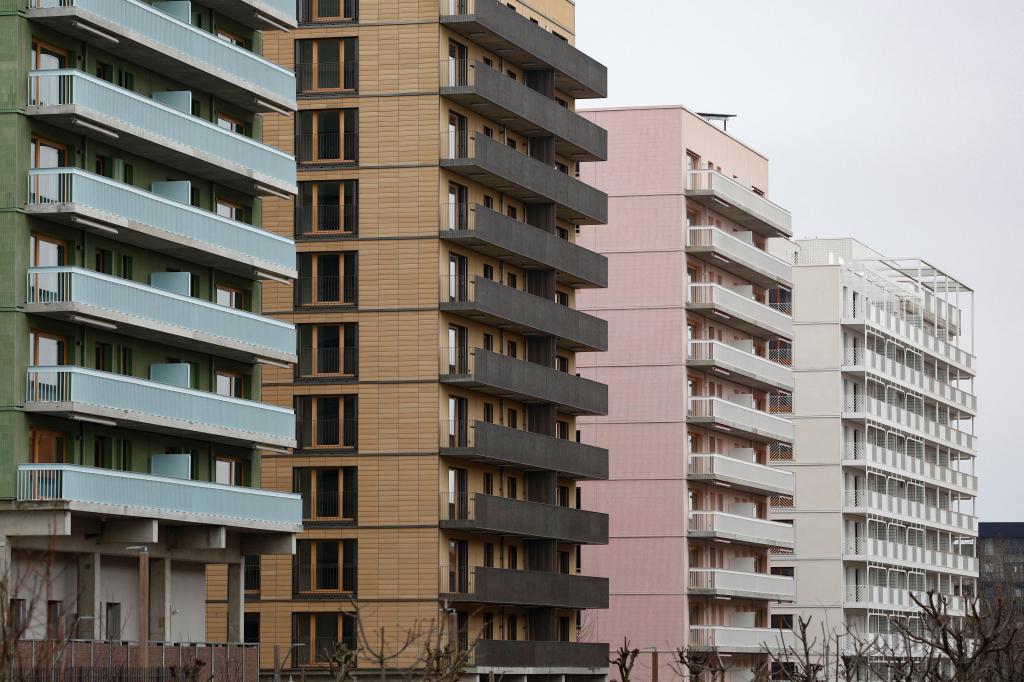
90,597
145,531
264,544
201,537
45,522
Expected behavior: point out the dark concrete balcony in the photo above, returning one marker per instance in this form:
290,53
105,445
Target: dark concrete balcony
564,657
519,380
492,25
481,159
522,109
479,513
517,311
504,446
482,585
522,245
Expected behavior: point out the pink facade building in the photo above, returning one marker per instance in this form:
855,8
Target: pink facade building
699,313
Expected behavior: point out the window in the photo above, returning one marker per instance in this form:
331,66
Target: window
126,79
47,154
328,10
229,471
18,615
487,632
327,421
513,349
230,210
327,136
125,361
488,202
511,210
512,492
327,208
784,570
229,384
563,628
563,495
104,261
127,462
251,573
562,430
327,279
564,563
562,233
512,631
562,298
489,413
488,484
513,282
513,419
562,363
783,621
325,566
112,622
230,123
489,555
230,297
327,64
229,37
327,494
328,350
45,56
103,357
127,267
513,557
46,350
46,447
489,342
103,166
47,251
319,633
488,271
489,132
251,628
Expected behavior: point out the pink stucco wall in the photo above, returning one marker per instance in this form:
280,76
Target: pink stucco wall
645,368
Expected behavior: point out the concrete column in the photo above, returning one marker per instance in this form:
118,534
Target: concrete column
160,600
90,617
142,610
236,602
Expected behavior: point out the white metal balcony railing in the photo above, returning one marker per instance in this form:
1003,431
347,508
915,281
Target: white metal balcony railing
775,319
145,401
765,585
899,417
736,360
750,474
150,305
146,494
903,463
910,510
740,417
49,188
160,122
744,528
740,638
169,35
908,376
907,332
902,553
741,252
741,196
897,598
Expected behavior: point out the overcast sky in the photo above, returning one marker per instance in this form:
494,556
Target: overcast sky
899,123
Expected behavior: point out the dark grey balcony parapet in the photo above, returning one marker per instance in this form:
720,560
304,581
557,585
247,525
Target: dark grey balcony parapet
504,516
492,25
493,164
486,442
522,109
481,585
523,313
567,657
523,245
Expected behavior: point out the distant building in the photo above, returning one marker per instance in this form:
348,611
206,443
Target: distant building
1001,551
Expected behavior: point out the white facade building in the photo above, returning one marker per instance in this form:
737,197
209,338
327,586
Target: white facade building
884,444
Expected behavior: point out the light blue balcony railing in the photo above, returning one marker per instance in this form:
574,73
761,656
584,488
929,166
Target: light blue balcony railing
171,37
152,306
176,222
102,394
162,124
157,495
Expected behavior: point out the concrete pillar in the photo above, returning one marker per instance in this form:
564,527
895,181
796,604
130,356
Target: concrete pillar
142,610
160,600
90,617
236,602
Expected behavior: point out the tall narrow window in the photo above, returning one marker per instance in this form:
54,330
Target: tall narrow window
327,136
327,208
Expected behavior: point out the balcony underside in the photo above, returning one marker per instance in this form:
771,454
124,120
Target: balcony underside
134,47
528,247
150,422
504,446
739,428
83,217
746,268
518,518
257,14
746,375
738,538
534,588
153,330
761,328
175,153
736,482
740,593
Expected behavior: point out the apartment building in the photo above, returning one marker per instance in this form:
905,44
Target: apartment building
436,393
132,265
699,307
884,454
1001,570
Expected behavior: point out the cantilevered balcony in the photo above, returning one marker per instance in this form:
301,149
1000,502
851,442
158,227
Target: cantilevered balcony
739,203
522,109
858,406
741,474
94,203
481,159
741,310
521,380
719,582
727,639
868,455
136,495
517,311
143,34
744,530
522,245
89,394
479,513
890,506
860,360
739,256
259,14
875,598
872,550
739,365
479,441
91,106
493,26
738,420
480,585
148,312
576,657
